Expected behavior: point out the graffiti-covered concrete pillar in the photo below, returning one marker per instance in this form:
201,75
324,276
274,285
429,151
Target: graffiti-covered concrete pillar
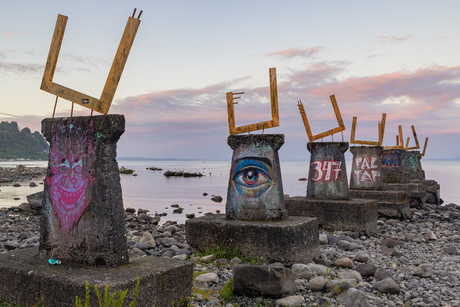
82,213
327,178
412,165
255,189
392,166
366,168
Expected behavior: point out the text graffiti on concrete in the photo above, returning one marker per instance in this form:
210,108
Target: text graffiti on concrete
327,170
391,159
366,170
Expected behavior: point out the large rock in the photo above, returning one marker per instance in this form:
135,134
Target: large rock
366,270
301,270
35,200
271,282
353,298
287,301
317,283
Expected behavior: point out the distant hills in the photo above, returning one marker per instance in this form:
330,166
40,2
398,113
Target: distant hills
21,144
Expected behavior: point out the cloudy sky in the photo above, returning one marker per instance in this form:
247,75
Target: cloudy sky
397,57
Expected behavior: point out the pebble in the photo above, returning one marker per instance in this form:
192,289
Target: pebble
208,277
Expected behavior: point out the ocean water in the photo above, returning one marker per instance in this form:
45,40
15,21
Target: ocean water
153,191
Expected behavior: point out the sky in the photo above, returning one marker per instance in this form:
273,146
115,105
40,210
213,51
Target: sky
395,57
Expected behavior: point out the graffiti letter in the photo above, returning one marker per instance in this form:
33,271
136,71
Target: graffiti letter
373,163
318,166
327,166
358,162
365,163
366,176
375,174
357,174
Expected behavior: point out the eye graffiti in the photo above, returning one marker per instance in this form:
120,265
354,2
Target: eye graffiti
252,176
324,170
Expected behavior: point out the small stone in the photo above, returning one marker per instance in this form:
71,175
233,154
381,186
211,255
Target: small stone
422,271
344,263
431,235
301,271
217,199
190,215
32,184
317,283
181,257
130,210
148,240
235,261
208,277
295,300
140,246
135,252
362,256
350,275
322,239
340,285
10,245
208,258
353,297
366,270
205,194
381,274
387,285
24,207
450,250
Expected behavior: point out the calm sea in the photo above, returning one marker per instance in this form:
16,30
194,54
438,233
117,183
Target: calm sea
153,191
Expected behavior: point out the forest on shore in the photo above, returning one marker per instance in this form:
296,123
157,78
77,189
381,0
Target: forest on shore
18,143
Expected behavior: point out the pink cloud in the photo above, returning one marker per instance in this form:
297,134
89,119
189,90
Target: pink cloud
394,39
296,53
11,34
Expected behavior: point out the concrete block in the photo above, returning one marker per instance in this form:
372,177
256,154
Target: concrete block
396,210
353,214
293,240
82,212
327,177
392,165
28,278
390,196
366,168
255,188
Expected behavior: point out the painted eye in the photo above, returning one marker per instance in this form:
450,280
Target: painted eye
251,177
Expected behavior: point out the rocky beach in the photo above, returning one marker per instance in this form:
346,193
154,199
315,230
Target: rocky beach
411,262
415,262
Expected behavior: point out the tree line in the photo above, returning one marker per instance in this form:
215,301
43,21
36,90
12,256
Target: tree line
18,143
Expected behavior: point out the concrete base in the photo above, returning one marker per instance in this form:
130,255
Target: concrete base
27,278
352,214
293,240
399,210
392,204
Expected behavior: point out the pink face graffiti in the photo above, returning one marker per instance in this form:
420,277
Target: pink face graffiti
327,170
366,170
72,170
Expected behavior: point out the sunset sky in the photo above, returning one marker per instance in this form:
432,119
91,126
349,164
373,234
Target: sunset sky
397,57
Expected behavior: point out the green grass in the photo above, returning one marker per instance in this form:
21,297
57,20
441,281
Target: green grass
222,252
392,179
226,293
3,303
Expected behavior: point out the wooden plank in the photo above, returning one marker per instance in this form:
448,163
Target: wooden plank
371,143
407,142
305,120
417,145
274,97
424,148
101,105
230,113
382,128
337,112
327,133
274,122
119,63
401,138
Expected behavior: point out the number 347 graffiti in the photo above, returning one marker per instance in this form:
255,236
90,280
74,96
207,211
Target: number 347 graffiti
327,170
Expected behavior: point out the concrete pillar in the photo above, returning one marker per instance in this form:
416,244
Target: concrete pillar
412,165
366,168
392,166
82,213
327,177
255,189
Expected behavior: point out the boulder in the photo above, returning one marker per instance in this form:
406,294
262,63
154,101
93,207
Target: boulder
301,270
208,277
35,200
148,240
366,270
270,282
387,285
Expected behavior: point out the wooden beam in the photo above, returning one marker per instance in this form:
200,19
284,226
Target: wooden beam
101,105
274,122
372,143
417,145
424,148
338,116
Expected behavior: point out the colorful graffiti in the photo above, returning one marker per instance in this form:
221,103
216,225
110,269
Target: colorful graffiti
324,170
366,169
391,158
255,191
72,172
